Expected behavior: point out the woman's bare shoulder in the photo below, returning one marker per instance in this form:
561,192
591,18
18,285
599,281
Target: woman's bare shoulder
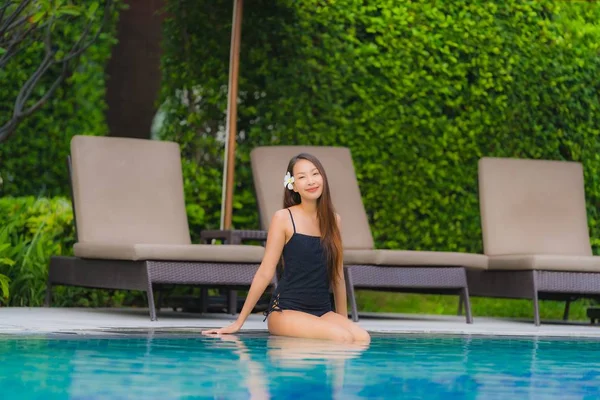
281,215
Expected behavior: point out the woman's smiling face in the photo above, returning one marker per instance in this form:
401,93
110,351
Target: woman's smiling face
308,181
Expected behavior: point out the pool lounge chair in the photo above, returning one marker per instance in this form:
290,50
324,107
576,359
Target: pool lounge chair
131,224
535,232
365,268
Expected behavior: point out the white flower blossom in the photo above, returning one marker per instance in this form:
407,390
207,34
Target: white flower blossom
288,181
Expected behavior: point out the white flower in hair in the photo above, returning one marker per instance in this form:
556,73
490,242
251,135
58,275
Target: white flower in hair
288,181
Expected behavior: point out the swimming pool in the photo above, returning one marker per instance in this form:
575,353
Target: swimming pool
188,366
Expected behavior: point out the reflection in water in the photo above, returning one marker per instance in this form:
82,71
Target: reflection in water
321,363
296,366
229,367
290,350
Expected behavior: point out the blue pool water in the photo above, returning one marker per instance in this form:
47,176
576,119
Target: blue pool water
188,366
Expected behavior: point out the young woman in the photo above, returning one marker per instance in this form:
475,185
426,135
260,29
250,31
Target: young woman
307,232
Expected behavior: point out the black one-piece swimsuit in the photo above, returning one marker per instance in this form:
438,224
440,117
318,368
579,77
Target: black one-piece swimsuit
304,285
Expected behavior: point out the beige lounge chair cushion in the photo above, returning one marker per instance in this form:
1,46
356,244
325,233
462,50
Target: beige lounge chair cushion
430,259
546,262
360,257
533,207
170,252
128,191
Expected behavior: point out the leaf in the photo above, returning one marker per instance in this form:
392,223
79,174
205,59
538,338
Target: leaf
69,10
35,18
4,285
91,12
7,261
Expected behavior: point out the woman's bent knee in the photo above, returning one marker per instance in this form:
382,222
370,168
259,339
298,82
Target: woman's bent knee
362,336
342,335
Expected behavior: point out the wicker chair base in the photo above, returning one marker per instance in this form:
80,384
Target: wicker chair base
145,275
430,280
535,285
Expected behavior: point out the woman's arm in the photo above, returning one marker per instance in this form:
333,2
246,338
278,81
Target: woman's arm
339,294
265,273
339,286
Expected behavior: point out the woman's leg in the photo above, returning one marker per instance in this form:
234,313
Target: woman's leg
300,324
358,333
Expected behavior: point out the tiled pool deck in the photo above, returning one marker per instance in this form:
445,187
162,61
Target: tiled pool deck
87,320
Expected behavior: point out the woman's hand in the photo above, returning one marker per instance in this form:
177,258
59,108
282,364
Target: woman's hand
233,328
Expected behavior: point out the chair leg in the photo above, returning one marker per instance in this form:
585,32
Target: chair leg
536,309
350,294
467,301
232,302
567,309
151,306
48,299
536,303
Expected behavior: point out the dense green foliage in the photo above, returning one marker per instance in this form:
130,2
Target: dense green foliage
32,231
419,91
33,159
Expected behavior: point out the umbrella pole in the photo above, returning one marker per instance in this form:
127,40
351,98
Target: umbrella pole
231,123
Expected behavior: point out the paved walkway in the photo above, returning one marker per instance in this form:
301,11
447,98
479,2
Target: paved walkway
89,320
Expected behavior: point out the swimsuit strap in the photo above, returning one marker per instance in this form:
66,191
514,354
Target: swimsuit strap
291,216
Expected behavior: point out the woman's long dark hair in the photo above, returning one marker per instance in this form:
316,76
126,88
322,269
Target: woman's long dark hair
330,232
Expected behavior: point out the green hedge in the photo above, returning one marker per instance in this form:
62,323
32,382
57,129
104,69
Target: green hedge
32,230
419,91
33,160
